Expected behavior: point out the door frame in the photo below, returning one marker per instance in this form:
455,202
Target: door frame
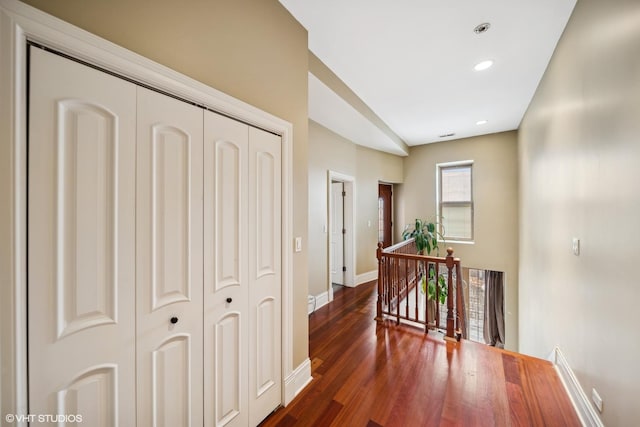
349,225
21,23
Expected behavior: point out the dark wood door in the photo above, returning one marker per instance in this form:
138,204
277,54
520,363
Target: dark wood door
384,214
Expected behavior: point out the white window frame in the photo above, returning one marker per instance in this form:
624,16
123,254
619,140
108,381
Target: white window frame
443,237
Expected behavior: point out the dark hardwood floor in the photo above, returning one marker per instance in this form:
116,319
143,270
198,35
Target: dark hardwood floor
371,374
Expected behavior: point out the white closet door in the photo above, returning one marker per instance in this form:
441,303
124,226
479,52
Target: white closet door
169,262
226,288
81,242
265,274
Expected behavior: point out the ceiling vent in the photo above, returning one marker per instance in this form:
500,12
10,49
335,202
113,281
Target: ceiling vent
447,135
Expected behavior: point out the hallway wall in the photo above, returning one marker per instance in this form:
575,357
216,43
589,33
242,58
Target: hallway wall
579,156
330,151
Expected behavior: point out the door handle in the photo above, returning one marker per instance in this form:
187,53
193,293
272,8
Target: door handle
229,300
174,320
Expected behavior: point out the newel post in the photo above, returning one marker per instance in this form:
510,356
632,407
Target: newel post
450,262
380,280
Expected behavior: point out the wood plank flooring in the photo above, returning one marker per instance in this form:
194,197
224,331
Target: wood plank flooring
371,374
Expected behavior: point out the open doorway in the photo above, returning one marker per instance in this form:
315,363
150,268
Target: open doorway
385,214
337,230
340,235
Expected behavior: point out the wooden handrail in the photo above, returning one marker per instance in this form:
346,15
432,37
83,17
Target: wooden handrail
401,272
404,247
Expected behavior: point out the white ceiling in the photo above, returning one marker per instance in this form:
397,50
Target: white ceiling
411,62
333,112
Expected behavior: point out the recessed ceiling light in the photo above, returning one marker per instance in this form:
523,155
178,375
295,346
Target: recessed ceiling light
482,28
481,122
483,65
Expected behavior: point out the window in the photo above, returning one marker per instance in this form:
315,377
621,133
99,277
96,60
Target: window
455,200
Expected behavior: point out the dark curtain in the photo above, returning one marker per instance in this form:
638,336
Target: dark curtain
494,308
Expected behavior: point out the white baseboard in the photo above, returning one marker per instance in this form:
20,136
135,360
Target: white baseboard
581,402
322,299
366,277
297,381
318,301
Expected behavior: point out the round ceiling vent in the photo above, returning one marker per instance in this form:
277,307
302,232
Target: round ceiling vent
482,28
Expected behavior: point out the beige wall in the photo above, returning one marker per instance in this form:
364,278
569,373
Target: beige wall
495,193
372,167
253,50
329,151
579,177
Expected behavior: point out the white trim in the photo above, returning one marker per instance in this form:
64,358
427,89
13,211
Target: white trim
349,225
588,415
366,277
13,160
322,300
456,163
297,380
19,23
457,242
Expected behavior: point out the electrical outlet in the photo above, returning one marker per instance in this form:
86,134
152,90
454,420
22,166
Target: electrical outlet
597,400
576,246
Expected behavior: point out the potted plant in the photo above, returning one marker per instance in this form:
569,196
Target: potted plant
426,234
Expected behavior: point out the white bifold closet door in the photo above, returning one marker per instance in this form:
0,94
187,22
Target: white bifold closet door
169,261
242,275
226,289
81,244
265,275
154,256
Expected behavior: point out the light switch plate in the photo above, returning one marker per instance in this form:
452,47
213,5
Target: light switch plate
298,244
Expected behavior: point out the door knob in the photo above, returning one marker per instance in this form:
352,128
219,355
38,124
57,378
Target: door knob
229,300
174,320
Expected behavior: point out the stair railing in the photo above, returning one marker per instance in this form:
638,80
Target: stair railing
403,277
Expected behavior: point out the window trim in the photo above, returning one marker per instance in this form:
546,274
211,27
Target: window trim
439,203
